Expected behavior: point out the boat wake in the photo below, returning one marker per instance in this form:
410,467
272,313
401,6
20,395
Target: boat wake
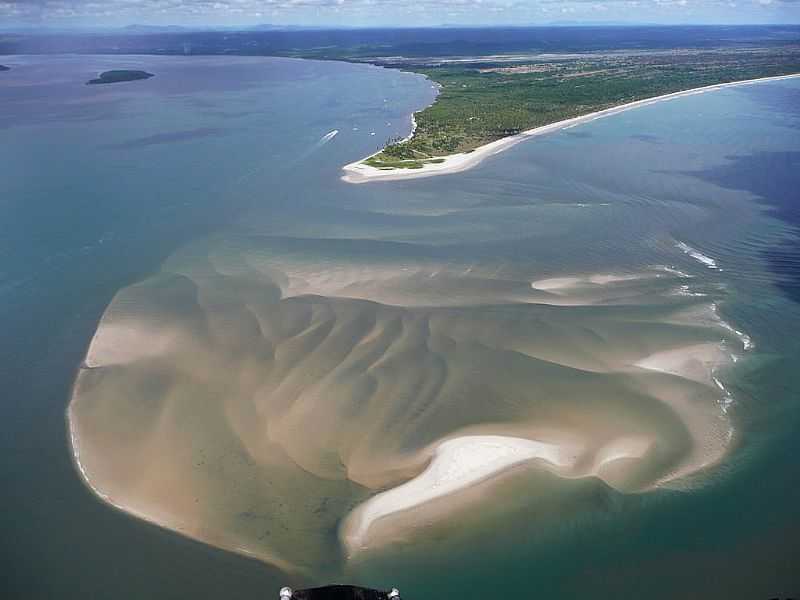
703,259
327,137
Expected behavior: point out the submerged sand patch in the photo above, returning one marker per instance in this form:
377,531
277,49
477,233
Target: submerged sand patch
255,402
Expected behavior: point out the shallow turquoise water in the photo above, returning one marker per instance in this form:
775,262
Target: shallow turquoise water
101,186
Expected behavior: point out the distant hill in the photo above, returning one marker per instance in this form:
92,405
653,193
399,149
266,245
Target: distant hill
600,24
367,44
135,28
271,27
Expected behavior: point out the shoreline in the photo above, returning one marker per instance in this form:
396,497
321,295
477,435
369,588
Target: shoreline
358,172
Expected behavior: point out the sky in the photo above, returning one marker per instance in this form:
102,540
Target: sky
396,13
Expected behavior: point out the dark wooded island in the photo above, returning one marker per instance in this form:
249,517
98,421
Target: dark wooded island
4,68
119,76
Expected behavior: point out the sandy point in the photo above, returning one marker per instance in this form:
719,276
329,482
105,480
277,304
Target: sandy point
358,172
457,464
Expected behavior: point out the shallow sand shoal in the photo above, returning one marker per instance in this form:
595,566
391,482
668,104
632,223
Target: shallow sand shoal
457,463
462,462
426,385
358,172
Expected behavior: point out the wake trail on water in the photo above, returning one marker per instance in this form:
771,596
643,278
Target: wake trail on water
694,253
327,137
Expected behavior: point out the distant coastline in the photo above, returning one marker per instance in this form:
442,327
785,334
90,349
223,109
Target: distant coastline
359,172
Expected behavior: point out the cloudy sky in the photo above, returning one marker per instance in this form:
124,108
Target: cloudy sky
84,13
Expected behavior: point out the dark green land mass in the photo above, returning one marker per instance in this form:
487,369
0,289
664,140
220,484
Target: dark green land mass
487,100
119,76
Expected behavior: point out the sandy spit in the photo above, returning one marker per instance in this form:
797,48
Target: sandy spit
358,172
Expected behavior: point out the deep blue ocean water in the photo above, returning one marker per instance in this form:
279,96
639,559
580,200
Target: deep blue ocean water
99,185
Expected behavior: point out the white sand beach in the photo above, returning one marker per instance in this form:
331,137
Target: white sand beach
463,462
358,172
599,279
457,463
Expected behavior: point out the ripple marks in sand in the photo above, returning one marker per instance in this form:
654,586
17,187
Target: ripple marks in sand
227,408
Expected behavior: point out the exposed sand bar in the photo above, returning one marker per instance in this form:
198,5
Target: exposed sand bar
358,172
241,399
458,463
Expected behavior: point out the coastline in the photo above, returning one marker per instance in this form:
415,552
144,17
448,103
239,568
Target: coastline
358,172
477,470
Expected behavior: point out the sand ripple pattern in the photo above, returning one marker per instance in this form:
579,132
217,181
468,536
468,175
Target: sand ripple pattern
308,411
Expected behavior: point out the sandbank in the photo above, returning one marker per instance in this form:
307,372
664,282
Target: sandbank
463,462
199,388
457,463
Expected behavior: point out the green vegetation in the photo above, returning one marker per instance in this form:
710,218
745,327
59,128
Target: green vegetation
119,76
385,162
485,101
